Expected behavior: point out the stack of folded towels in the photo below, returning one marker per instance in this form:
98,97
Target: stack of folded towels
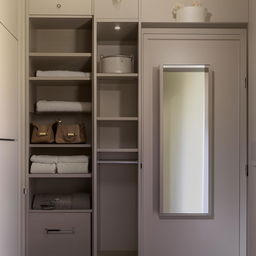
63,106
44,164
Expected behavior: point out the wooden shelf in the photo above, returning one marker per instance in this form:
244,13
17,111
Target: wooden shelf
60,54
117,118
117,162
117,253
60,145
60,112
60,211
117,150
58,79
33,176
117,76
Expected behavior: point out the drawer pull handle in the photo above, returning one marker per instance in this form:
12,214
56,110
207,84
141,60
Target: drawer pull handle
59,6
60,231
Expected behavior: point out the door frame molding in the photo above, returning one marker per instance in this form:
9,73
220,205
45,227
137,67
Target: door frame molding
239,35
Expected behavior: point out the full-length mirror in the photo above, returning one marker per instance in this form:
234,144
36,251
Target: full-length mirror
185,140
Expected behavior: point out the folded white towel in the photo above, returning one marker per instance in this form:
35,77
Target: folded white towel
49,159
39,168
72,168
44,159
73,159
62,73
63,106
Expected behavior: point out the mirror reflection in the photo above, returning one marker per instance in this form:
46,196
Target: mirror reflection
185,140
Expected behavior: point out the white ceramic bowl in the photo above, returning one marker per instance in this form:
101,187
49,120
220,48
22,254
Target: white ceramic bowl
117,64
192,14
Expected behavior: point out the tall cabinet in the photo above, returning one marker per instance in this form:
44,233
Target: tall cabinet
72,40
59,43
117,142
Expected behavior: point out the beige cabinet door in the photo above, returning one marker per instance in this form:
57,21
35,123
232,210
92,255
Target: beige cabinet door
224,233
8,15
60,7
117,9
8,85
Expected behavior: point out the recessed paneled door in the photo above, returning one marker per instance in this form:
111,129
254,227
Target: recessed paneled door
199,215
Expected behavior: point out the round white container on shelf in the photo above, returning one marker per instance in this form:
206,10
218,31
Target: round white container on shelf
191,14
117,64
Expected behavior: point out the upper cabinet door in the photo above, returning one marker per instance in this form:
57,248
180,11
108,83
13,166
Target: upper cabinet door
219,10
60,7
8,85
8,15
117,9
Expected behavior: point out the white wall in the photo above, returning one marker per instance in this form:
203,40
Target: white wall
222,10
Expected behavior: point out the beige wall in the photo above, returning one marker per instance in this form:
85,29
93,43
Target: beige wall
222,10
252,132
9,15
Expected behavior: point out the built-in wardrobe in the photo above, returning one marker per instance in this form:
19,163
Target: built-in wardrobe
107,224
118,189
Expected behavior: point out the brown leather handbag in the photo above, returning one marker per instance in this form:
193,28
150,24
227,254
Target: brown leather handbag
70,133
42,133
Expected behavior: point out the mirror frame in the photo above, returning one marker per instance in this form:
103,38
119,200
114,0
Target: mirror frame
208,145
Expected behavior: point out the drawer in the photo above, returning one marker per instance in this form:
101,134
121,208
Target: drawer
117,9
60,234
60,7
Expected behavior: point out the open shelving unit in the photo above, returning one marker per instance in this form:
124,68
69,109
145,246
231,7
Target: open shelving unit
117,154
59,43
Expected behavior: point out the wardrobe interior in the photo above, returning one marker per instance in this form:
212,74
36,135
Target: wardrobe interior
106,225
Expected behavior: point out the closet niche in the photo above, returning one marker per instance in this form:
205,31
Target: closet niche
117,118
59,175
93,212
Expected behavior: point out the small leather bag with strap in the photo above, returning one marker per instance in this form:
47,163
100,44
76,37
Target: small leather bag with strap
70,133
42,133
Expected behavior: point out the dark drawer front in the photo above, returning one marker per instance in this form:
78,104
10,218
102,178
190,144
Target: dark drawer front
60,234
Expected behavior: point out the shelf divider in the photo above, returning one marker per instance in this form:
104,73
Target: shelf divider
32,78
117,118
61,211
60,54
117,150
117,162
60,145
117,76
33,176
